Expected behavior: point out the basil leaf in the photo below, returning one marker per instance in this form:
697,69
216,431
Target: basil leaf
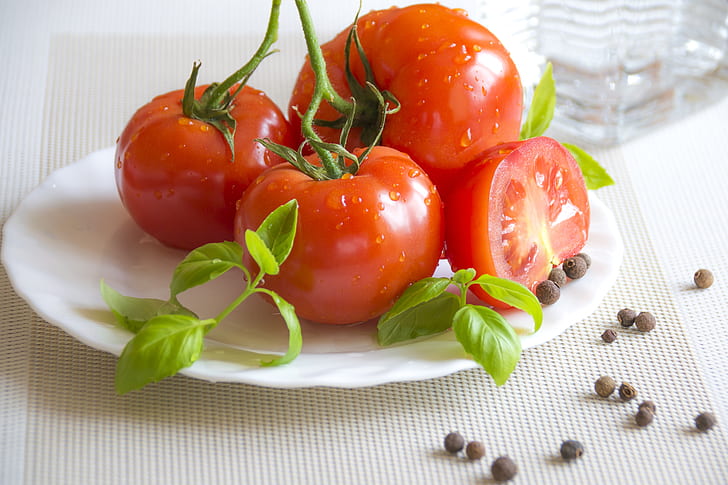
464,276
204,264
278,230
132,313
490,340
541,111
417,293
162,347
260,252
428,318
295,339
595,176
514,294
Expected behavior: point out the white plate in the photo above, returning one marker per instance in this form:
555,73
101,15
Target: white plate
72,231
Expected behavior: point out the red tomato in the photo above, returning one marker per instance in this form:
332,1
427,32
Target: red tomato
459,90
175,175
521,209
360,240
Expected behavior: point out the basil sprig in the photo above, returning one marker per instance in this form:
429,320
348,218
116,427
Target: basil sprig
538,119
169,337
428,308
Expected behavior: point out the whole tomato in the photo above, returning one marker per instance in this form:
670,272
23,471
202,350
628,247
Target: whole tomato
459,90
360,240
521,209
176,175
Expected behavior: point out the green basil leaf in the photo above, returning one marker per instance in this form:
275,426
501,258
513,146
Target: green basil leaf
260,252
489,339
514,294
204,264
428,318
417,293
464,276
595,176
295,339
132,313
541,111
161,348
278,230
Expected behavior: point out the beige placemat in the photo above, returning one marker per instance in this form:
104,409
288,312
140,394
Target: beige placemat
63,421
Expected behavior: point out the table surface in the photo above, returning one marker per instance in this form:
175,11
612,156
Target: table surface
73,74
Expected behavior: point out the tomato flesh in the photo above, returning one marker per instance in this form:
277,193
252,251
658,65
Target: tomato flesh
521,209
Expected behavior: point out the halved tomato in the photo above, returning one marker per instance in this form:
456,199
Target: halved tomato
519,210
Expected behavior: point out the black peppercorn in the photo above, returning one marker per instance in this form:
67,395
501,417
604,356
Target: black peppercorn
645,321
571,449
574,267
586,258
604,386
503,469
626,317
548,292
475,450
558,276
643,417
705,421
627,392
703,278
649,405
454,442
609,336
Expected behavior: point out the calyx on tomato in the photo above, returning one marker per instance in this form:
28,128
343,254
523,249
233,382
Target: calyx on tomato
216,101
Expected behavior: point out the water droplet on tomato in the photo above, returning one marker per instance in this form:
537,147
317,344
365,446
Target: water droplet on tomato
428,201
414,173
339,225
421,56
118,163
357,200
402,257
356,278
380,206
469,87
205,128
335,200
425,26
379,239
346,176
466,139
394,195
384,289
184,121
496,127
422,82
477,48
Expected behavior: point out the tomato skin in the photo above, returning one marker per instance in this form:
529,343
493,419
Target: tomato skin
521,209
459,90
175,176
360,240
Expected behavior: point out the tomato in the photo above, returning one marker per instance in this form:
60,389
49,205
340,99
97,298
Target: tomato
175,174
459,90
521,209
360,240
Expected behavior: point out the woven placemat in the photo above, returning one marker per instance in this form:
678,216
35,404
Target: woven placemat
64,423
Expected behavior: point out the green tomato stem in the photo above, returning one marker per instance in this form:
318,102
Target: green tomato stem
323,91
271,36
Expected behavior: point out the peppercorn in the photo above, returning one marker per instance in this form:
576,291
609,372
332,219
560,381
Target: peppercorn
574,267
548,292
571,449
627,392
703,278
503,469
604,386
586,258
645,321
558,276
475,450
643,417
609,336
626,317
705,421
649,405
454,442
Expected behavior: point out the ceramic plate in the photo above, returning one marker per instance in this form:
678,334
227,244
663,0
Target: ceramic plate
72,231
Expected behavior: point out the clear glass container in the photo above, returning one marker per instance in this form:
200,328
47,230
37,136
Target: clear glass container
621,66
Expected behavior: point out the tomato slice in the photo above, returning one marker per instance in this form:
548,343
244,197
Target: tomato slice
518,211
